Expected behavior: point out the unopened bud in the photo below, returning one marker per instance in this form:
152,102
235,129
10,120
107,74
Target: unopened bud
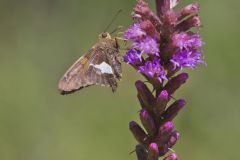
174,83
173,137
189,23
145,95
153,152
141,152
173,110
162,101
147,122
139,133
164,132
190,9
150,29
172,156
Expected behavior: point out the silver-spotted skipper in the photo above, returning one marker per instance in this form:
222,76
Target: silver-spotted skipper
99,66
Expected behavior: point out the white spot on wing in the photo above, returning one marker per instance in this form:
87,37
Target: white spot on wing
104,68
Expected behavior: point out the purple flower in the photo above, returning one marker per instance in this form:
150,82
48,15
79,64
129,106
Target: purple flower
153,69
187,40
134,32
162,37
132,57
147,45
187,58
189,50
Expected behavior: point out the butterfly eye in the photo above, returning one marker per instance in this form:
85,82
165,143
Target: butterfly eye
104,35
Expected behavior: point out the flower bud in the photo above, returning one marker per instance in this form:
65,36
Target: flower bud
141,152
174,83
164,132
139,133
172,156
150,29
171,20
173,110
153,152
190,9
189,23
145,95
144,12
162,101
172,139
147,122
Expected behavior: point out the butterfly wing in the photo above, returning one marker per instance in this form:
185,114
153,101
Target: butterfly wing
90,69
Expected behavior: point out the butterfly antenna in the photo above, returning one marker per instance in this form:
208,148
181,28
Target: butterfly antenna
116,29
113,19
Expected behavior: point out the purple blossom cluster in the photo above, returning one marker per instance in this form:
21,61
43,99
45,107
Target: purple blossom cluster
162,44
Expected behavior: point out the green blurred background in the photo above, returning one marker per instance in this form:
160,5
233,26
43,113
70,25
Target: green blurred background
39,39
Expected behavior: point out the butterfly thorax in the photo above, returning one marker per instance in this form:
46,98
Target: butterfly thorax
106,40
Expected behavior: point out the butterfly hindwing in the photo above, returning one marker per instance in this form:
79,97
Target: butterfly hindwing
100,70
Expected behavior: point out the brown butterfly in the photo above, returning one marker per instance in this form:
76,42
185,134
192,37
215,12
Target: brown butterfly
99,66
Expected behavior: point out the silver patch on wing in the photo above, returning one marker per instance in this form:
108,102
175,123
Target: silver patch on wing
103,67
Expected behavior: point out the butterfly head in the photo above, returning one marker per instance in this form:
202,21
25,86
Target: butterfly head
104,35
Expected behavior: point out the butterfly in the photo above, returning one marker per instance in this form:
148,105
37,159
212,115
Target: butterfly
99,66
